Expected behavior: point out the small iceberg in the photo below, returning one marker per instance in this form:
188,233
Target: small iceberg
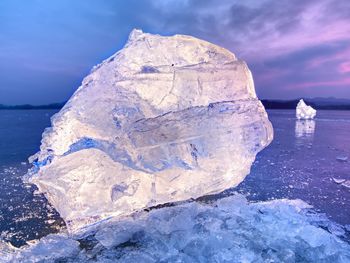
305,112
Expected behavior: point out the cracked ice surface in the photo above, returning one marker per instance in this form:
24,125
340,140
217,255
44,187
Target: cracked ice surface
226,230
164,119
304,112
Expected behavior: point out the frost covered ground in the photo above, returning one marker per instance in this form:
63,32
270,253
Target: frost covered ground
307,160
226,230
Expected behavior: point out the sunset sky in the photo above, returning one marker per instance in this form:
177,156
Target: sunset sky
295,48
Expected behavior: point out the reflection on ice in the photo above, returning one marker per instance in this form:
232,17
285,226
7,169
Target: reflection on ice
230,229
304,128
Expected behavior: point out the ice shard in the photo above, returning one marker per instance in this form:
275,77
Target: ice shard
304,112
164,119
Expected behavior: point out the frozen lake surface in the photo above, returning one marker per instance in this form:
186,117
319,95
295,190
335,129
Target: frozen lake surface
308,160
23,215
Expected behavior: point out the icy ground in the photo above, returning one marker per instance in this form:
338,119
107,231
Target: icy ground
226,230
303,162
24,214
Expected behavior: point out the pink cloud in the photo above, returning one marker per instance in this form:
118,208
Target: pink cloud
313,29
340,82
271,74
344,67
337,57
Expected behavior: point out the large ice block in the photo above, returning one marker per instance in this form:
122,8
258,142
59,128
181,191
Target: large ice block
164,119
304,112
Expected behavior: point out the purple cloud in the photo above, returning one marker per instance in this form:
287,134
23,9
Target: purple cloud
304,44
295,48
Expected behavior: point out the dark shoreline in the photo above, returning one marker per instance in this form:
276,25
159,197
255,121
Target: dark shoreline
317,103
53,106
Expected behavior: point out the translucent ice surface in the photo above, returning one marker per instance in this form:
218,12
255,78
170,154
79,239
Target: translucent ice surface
304,128
165,119
304,112
230,229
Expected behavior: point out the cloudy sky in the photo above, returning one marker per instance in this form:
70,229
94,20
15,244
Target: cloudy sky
295,48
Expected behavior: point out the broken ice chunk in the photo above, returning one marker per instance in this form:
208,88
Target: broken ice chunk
338,181
346,184
230,229
342,158
165,119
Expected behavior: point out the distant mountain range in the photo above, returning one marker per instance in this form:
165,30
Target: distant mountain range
32,107
318,103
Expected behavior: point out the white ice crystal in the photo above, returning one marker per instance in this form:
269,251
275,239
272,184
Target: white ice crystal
162,120
304,112
48,249
230,230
